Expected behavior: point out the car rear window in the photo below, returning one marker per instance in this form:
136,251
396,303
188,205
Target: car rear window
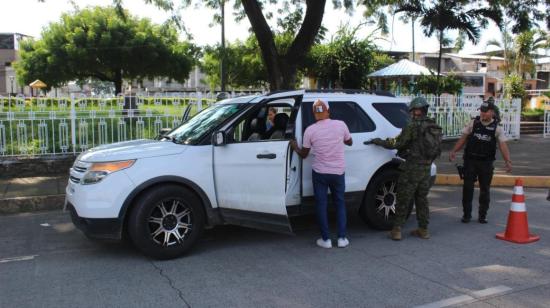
348,112
396,113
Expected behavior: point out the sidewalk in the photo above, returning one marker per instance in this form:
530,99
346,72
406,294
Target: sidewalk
530,159
30,194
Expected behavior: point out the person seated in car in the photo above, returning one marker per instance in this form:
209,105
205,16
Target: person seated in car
272,111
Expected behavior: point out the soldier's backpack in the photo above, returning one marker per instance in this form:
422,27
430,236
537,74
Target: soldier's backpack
430,136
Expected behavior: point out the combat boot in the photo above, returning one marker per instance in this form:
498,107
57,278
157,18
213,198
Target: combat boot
395,233
421,233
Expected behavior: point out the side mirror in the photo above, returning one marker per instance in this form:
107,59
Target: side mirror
218,138
163,132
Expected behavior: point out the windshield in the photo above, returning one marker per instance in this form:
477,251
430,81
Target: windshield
193,130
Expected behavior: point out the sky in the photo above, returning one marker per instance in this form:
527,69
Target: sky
30,17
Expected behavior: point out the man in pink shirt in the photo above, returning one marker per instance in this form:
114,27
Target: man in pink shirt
326,139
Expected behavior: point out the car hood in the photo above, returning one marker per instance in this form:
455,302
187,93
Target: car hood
131,150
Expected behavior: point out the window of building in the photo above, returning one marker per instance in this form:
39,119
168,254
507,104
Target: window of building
7,41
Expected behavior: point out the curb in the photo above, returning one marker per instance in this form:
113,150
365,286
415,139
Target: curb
498,180
31,204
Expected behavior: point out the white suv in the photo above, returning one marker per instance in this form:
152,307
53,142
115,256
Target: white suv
224,166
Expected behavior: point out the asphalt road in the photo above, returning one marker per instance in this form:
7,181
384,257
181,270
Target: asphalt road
45,262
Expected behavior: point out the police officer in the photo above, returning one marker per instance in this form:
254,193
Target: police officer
480,136
414,180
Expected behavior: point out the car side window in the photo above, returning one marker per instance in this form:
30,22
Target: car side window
261,126
396,113
349,112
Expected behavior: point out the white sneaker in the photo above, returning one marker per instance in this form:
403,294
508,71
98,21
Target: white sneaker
343,242
324,244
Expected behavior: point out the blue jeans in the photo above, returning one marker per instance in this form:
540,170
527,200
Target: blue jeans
337,184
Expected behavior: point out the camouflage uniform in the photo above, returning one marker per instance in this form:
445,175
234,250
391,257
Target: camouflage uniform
414,178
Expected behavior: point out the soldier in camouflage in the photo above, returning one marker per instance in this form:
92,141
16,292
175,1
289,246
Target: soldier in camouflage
414,179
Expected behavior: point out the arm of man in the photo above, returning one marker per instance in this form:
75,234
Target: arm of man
506,155
347,136
400,142
302,152
348,142
466,131
306,144
503,146
458,146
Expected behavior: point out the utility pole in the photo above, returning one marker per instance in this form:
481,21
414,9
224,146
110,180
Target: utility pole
222,51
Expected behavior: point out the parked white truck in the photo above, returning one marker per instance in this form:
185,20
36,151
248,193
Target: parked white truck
223,166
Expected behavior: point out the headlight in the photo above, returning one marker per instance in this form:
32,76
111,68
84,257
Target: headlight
98,171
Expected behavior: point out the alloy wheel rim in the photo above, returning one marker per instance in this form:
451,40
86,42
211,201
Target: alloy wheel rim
170,222
386,199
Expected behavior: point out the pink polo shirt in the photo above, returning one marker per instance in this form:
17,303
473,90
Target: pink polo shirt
326,138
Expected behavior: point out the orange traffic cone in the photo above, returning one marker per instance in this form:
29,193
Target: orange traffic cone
517,229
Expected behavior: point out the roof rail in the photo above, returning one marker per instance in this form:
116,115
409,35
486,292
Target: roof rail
351,91
345,91
276,92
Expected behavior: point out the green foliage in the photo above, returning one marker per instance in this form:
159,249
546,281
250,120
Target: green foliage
533,112
513,87
345,61
100,43
244,66
526,14
428,84
525,46
437,17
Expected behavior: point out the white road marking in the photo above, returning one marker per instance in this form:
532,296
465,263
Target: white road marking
45,225
448,302
466,298
14,259
491,291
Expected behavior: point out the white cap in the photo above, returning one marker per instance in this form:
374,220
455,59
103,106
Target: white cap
322,101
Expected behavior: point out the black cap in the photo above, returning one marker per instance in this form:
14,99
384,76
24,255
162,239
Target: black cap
487,106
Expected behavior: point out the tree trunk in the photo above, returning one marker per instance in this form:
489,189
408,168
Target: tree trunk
439,60
412,23
282,68
118,82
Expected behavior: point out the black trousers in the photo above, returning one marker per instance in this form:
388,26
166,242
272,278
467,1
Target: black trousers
483,171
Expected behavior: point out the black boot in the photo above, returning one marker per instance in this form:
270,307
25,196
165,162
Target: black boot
482,218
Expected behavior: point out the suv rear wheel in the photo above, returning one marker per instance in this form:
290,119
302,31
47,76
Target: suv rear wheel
378,208
166,221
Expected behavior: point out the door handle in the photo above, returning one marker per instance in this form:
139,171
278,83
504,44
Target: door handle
266,156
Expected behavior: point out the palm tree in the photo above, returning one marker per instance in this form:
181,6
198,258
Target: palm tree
444,15
526,45
520,51
504,44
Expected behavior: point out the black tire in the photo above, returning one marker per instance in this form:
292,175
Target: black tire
378,208
176,229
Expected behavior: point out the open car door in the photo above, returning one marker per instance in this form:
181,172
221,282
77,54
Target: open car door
250,176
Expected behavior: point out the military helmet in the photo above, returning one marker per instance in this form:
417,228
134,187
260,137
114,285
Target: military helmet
418,103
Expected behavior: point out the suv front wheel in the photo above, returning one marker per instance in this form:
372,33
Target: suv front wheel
378,208
166,221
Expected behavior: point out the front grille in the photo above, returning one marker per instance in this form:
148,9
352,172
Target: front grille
74,179
80,169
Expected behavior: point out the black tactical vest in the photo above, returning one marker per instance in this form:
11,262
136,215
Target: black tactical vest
481,143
